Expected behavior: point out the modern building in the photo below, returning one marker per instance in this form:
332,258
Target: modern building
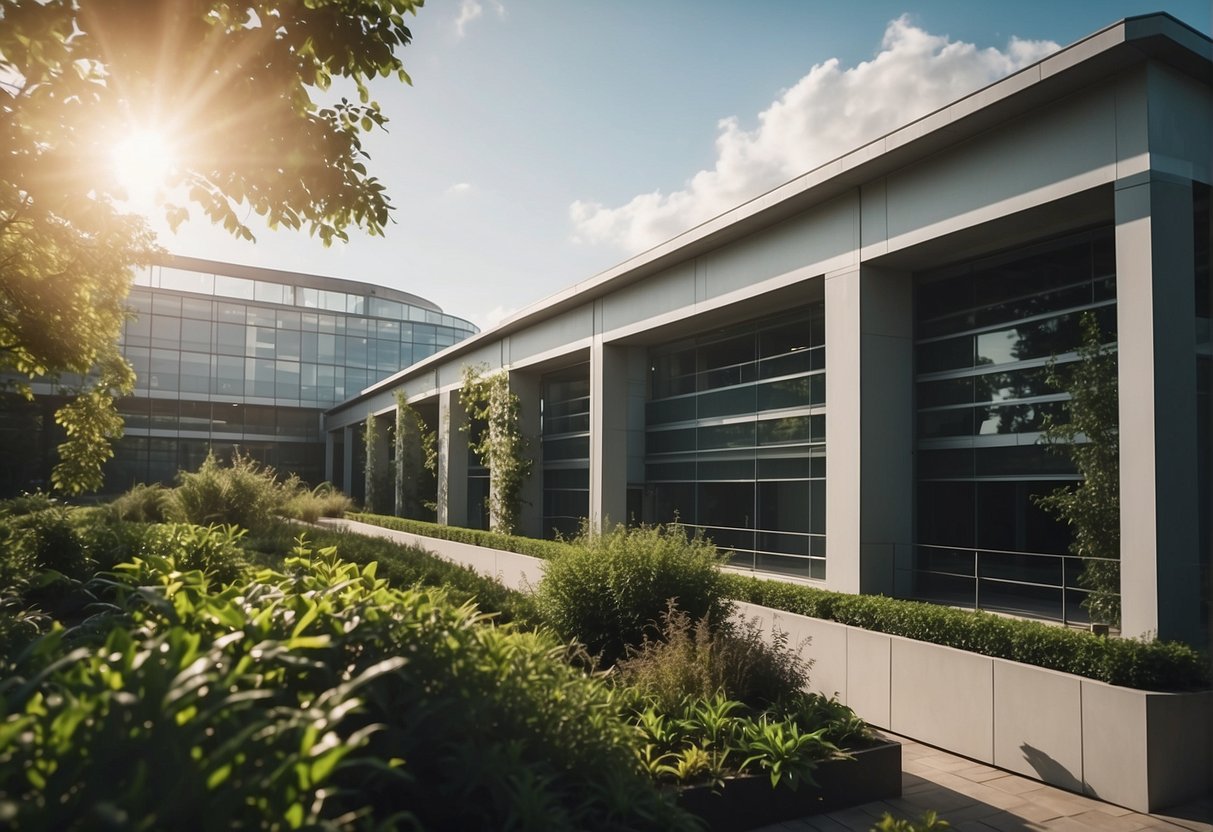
843,380
231,356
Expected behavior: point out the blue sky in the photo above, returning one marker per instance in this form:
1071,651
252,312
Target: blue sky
546,140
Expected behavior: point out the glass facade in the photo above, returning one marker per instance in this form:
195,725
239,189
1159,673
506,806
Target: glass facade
225,361
984,334
565,438
735,440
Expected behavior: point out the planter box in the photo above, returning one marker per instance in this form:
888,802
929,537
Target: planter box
1139,749
748,801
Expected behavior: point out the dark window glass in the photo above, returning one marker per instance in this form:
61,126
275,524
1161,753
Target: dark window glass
740,435
577,447
669,441
786,506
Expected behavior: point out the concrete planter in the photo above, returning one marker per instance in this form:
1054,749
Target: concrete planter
748,802
1139,749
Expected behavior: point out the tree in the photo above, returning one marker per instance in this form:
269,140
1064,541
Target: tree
236,88
1088,434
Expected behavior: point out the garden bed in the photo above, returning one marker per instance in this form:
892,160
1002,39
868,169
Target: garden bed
748,801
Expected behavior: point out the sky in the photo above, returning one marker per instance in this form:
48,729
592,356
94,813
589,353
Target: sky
544,141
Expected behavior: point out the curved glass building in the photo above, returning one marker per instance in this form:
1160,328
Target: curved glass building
231,356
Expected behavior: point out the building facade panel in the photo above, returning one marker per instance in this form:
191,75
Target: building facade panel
945,265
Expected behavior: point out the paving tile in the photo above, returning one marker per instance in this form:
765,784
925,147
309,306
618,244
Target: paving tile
1014,784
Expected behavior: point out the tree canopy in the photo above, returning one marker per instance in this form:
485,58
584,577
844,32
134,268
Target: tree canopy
242,91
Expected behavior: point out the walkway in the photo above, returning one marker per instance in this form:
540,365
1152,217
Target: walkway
978,798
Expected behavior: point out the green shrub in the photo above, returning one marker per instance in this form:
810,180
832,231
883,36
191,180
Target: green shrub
313,698
407,566
142,504
42,540
27,503
544,549
692,658
213,550
325,500
243,494
606,589
1147,665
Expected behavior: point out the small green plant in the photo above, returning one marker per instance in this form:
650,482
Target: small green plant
929,822
706,739
694,658
609,588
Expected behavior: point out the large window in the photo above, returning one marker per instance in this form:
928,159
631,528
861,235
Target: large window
566,450
735,440
985,333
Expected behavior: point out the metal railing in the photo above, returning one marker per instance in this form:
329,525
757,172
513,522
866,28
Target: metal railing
1018,583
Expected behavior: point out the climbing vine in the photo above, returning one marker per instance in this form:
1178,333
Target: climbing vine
501,447
1089,437
415,445
371,442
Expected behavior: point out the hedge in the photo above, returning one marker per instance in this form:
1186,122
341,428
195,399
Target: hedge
1145,665
544,549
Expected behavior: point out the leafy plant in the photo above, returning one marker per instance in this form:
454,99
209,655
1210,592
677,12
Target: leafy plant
706,739
314,697
1087,433
929,822
608,588
782,750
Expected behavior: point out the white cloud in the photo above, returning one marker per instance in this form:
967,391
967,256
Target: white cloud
459,189
470,10
495,316
831,110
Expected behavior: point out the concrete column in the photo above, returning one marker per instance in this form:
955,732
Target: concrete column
378,491
608,434
329,450
529,389
1159,503
869,418
452,461
347,459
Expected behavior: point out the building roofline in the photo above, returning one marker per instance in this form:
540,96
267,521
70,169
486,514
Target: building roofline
1157,36
310,281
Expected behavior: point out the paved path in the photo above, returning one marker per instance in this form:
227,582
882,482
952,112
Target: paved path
978,798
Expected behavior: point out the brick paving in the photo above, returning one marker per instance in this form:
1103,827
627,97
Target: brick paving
978,798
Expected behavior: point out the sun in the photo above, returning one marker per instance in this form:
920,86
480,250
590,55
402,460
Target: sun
142,163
